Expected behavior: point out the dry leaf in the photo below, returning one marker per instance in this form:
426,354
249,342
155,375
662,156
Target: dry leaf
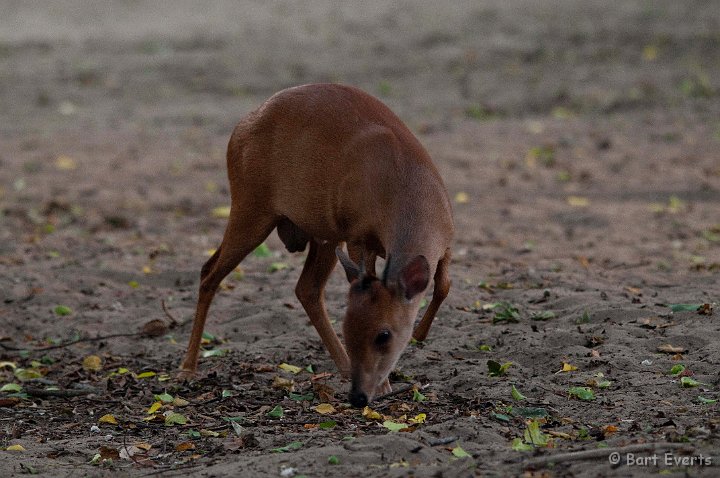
15,448
577,201
290,368
462,198
670,349
107,453
109,418
568,368
371,414
65,163
92,363
325,409
286,383
185,446
154,328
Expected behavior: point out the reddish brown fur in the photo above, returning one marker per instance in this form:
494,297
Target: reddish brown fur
328,164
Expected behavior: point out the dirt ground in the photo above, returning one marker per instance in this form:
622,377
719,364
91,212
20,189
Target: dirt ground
579,141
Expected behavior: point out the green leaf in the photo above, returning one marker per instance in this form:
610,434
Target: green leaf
193,433
289,447
583,393
688,382
134,284
262,251
496,369
423,303
175,419
11,387
417,396
531,412
276,412
394,427
533,434
460,453
544,315
500,416
213,353
227,393
519,445
307,397
516,394
24,374
208,336
164,397
584,318
62,310
327,424
505,312
604,384
333,460
485,348
706,401
677,369
310,369
684,307
277,266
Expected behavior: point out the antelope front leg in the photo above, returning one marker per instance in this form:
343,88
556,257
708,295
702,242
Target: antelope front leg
310,291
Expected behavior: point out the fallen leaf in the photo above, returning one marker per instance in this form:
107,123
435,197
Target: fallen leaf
393,426
496,369
583,393
109,453
154,408
109,418
180,402
325,409
276,412
294,369
154,328
222,212
11,387
65,163
519,445
462,198
146,375
185,446
175,419
460,453
578,201
516,394
418,419
670,349
568,368
371,414
11,365
15,448
289,447
62,310
284,383
92,363
533,435
333,460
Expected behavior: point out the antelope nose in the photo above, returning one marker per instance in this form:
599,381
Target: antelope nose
358,399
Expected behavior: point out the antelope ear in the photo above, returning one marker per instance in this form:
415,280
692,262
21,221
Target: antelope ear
352,271
414,277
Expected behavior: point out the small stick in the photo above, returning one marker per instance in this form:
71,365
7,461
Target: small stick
600,453
68,344
399,391
41,392
173,321
441,441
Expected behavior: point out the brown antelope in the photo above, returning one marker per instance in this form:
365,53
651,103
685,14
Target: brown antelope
328,164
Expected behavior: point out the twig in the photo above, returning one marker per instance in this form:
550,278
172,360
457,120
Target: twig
441,441
41,392
68,344
600,453
399,391
173,322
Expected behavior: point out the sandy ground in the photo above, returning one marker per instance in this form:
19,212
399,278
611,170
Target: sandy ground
579,141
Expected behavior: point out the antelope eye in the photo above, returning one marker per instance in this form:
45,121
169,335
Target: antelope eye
382,338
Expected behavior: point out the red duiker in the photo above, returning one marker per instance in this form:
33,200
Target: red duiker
327,164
